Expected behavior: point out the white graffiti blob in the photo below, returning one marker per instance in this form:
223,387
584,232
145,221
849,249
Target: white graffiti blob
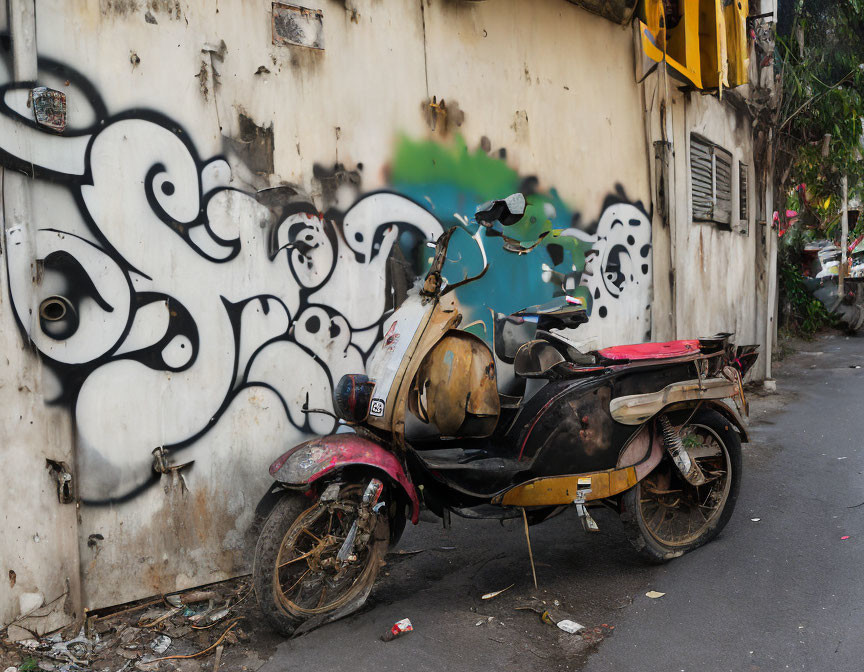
617,271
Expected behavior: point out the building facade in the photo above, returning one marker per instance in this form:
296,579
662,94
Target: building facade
206,230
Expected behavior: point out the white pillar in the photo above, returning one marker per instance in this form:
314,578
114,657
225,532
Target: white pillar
771,252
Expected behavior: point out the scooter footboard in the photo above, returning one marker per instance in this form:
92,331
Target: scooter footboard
306,463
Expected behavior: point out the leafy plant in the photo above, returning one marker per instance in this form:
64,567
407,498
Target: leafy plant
818,123
818,128
805,314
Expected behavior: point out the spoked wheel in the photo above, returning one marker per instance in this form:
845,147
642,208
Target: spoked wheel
668,516
318,563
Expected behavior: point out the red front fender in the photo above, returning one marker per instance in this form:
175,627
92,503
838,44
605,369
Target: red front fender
306,463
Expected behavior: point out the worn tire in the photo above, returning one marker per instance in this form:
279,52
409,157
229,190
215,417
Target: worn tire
275,527
651,548
279,524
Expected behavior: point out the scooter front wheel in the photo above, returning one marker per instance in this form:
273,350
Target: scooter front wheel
664,514
300,576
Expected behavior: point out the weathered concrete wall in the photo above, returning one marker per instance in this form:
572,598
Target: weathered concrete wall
208,299
39,553
716,284
39,570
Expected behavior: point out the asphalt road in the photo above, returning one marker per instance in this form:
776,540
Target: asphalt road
781,593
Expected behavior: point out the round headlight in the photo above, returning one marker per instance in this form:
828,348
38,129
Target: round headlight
351,397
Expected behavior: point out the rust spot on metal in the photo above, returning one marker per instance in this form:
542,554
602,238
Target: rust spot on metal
299,26
331,180
253,144
62,475
118,7
442,116
203,78
455,387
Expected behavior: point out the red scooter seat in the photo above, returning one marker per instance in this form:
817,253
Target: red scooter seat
651,350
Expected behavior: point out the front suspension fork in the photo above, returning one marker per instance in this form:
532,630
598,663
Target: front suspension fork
364,523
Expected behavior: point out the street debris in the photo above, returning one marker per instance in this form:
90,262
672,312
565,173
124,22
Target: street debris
398,628
844,538
570,626
160,644
654,595
146,635
755,520
489,596
576,645
575,639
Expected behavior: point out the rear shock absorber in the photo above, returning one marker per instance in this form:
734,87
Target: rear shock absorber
686,464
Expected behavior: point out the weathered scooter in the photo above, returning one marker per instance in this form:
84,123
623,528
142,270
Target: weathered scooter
644,429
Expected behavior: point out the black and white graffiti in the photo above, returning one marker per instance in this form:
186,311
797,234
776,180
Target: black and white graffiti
164,289
618,269
160,292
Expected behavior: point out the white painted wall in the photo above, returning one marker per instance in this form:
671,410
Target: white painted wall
716,284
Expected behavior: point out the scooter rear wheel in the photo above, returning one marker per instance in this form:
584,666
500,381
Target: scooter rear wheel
664,514
298,579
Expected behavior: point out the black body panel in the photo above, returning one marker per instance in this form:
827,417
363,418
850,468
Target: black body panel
565,428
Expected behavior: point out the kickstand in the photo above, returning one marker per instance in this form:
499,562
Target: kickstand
530,554
583,489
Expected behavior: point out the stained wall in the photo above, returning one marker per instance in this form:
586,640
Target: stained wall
225,223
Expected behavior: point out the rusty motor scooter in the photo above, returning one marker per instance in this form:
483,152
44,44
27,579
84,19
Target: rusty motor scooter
439,423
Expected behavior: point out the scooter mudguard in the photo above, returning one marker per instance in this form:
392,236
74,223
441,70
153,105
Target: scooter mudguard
306,463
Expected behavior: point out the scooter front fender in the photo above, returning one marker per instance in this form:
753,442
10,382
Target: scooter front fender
306,463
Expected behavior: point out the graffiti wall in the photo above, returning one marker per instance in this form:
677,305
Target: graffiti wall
188,301
246,287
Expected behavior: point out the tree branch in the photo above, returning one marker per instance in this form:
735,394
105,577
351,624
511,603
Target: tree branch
813,98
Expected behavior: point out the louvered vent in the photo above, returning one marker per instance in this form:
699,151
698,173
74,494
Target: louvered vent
711,181
743,213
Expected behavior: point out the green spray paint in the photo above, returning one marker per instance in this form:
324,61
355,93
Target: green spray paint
451,180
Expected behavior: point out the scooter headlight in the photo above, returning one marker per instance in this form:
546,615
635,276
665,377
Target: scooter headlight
352,396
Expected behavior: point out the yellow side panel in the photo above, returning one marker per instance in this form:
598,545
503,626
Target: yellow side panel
738,52
558,490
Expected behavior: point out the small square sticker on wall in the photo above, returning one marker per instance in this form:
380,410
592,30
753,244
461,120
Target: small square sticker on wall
299,26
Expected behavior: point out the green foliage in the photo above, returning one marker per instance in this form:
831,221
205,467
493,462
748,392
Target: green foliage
806,314
29,665
821,58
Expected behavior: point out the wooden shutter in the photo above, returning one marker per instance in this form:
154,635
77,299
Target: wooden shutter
710,181
701,178
722,185
743,213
